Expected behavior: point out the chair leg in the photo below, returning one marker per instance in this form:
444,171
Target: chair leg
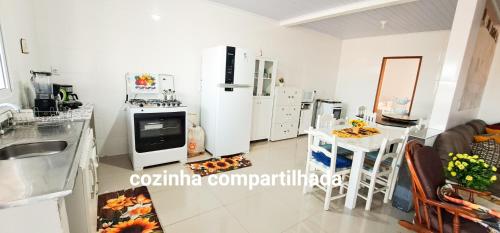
306,188
393,183
341,190
388,189
369,197
328,196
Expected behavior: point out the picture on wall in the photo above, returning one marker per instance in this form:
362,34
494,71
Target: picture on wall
480,65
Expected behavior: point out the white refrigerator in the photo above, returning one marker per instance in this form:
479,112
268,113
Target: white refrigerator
226,99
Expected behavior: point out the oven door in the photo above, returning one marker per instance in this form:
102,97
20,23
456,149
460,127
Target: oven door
159,131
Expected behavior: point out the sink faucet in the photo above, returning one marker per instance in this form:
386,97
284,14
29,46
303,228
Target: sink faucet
4,109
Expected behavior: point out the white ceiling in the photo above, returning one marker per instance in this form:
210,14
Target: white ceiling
418,16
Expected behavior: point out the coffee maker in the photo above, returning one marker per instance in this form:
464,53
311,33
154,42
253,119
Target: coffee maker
45,101
68,99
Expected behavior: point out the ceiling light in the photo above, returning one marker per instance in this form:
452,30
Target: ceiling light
155,17
382,24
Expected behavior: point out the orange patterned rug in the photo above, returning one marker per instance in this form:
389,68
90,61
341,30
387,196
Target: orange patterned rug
214,165
128,210
350,133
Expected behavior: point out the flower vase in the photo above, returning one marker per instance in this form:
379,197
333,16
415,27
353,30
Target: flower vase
355,129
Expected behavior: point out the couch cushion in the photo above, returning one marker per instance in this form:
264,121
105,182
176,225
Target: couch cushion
451,141
487,137
489,151
429,169
492,130
478,125
495,126
466,131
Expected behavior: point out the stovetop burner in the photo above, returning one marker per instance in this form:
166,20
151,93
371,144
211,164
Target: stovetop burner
155,103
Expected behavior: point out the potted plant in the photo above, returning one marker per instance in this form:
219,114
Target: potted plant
471,171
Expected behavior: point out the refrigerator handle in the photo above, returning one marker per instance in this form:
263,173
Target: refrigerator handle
234,85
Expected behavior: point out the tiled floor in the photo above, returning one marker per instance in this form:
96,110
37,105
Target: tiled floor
210,209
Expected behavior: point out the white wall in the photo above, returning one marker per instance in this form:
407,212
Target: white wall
361,60
489,110
462,41
17,21
94,43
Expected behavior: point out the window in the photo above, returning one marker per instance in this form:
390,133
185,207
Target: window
4,75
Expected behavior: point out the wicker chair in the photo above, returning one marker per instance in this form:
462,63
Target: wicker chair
431,214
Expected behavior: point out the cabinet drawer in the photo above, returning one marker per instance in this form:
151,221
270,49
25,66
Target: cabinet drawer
282,131
288,97
286,113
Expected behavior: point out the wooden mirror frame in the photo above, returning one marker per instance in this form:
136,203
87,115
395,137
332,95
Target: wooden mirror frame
381,79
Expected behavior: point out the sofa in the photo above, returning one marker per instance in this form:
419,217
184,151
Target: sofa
458,140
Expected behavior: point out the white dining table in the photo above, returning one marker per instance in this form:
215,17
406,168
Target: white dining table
360,146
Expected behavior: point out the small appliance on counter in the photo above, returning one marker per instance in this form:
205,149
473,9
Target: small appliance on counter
45,101
306,111
67,99
326,106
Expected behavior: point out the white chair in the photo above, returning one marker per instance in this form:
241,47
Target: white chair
399,159
370,117
378,175
322,161
328,121
325,121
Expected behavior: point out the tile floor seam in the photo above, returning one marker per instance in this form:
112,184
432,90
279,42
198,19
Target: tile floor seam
193,216
236,219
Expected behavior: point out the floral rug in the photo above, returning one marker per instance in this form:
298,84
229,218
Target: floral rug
128,211
214,165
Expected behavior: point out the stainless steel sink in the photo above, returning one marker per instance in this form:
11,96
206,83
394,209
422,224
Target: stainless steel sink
33,149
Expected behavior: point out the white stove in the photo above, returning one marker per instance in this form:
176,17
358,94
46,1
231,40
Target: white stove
157,132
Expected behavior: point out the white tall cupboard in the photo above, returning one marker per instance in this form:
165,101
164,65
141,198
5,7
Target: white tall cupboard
286,113
263,93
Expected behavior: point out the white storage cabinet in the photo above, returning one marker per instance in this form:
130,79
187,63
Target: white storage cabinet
263,93
286,113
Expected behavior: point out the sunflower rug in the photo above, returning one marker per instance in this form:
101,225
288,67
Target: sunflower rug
128,210
215,165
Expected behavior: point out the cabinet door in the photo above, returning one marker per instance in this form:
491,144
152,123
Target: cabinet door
261,118
265,118
255,119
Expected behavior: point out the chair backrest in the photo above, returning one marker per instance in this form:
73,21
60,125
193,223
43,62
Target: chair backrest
370,117
426,170
316,139
390,149
406,137
325,121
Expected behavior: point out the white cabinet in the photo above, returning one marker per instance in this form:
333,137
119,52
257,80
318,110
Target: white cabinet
263,92
81,204
264,76
286,113
261,118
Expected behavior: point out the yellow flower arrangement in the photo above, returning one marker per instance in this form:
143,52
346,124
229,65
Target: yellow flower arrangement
357,123
470,171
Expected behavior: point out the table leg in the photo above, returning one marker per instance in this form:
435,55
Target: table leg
354,178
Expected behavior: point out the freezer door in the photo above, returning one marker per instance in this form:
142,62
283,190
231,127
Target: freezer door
234,121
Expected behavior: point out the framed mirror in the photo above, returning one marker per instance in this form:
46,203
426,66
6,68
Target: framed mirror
4,74
396,85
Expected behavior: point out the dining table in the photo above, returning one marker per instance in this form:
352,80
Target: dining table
359,147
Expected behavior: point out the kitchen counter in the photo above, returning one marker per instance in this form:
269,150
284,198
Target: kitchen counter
29,180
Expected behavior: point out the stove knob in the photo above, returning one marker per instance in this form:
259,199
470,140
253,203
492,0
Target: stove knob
163,104
141,105
178,104
158,104
169,104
